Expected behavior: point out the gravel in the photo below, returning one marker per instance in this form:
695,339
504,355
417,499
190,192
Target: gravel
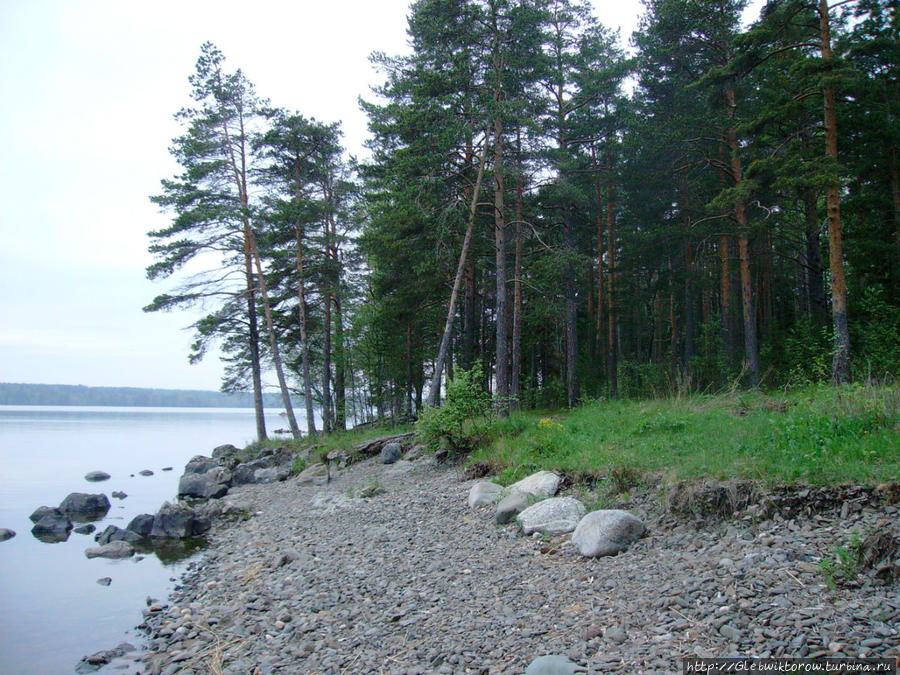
414,581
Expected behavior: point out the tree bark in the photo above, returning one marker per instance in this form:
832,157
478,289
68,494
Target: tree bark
502,327
840,368
515,386
304,339
434,391
815,283
612,346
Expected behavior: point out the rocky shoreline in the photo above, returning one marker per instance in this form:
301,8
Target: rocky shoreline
387,569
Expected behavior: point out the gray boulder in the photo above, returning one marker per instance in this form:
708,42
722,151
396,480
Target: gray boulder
54,526
314,474
484,492
141,525
511,506
607,532
416,452
391,452
145,472
553,664
80,506
245,472
208,485
87,528
556,515
177,521
113,533
96,476
539,485
201,464
114,549
42,511
118,494
6,533
227,454
273,474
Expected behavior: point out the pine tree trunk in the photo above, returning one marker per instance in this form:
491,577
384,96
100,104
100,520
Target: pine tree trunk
601,285
612,365
815,269
273,341
895,194
434,391
253,340
327,419
689,349
304,340
515,388
502,327
840,369
340,394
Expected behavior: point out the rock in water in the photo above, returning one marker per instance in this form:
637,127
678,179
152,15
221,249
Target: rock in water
117,494
113,533
209,485
484,492
53,527
141,525
177,521
42,511
201,464
606,532
114,549
96,476
6,533
539,485
81,506
511,506
145,472
391,452
104,581
553,665
85,529
556,515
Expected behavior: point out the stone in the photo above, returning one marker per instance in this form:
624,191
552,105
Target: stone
511,506
96,476
606,532
114,549
53,527
416,452
177,521
97,660
210,484
42,511
141,525
730,632
104,581
87,528
6,533
539,485
113,533
145,472
616,635
391,452
484,492
167,468
117,494
272,474
553,664
81,506
557,515
245,473
227,454
201,464
314,474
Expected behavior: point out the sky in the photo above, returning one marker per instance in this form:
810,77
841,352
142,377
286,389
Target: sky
88,89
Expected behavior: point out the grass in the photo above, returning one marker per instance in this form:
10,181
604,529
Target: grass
818,435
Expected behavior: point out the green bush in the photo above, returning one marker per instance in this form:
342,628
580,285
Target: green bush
877,345
465,419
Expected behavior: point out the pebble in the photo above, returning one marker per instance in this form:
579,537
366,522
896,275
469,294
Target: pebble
417,582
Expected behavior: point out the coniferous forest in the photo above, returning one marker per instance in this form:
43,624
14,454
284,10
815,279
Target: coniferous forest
719,207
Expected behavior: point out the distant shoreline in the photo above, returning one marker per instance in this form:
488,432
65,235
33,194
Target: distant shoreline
12,393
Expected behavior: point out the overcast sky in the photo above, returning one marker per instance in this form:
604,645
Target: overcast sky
87,94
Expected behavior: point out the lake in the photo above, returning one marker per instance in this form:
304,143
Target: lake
54,611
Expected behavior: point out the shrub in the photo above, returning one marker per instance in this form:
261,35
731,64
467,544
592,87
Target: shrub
465,419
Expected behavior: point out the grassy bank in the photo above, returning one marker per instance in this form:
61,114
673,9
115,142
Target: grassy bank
819,435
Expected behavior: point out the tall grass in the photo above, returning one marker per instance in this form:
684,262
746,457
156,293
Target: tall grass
817,435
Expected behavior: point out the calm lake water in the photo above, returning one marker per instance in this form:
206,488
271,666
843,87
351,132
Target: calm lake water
53,610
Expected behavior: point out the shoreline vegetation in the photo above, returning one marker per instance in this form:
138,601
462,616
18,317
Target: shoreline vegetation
17,393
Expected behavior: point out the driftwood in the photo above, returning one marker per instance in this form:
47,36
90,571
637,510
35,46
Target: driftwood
373,447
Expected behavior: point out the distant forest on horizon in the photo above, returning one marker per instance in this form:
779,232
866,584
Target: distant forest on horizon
14,393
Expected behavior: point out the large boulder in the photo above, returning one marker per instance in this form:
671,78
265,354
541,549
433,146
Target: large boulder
42,511
391,452
314,474
245,472
96,476
113,533
80,506
607,532
553,664
273,474
207,485
539,485
6,533
141,525
177,521
556,515
511,506
201,464
53,526
227,454
484,492
114,549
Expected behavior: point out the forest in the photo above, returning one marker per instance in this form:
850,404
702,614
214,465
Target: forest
717,208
